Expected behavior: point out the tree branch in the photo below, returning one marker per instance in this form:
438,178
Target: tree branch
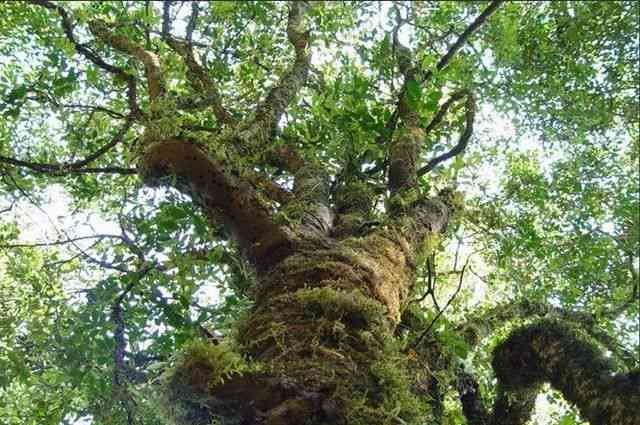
392,122
201,82
480,327
473,27
193,20
435,319
269,112
470,114
78,167
155,79
225,196
67,28
549,351
62,242
403,151
166,19
509,408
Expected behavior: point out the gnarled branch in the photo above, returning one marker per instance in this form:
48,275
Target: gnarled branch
479,327
155,79
549,351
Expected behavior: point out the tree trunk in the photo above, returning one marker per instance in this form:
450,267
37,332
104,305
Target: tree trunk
318,347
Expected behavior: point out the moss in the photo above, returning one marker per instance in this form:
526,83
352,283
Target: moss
198,368
352,307
355,196
338,344
403,201
375,264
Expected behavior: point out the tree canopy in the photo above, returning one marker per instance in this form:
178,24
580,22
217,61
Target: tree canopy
159,160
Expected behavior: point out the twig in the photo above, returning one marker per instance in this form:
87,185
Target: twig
435,319
63,242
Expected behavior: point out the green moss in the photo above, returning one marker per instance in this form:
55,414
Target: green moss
431,243
356,195
352,307
220,359
200,366
336,343
403,200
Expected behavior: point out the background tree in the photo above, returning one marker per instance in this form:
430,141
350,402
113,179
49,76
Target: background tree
265,215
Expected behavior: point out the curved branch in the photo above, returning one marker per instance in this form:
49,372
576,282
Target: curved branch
225,196
464,137
549,351
155,79
479,327
513,408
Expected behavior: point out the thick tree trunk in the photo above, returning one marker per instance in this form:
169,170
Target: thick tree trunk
319,345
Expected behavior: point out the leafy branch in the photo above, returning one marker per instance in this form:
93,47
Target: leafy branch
78,167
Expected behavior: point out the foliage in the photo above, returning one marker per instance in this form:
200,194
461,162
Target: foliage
107,266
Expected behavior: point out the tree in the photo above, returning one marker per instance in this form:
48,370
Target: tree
306,158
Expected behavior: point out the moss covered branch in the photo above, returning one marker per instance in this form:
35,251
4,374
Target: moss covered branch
552,352
268,113
484,324
403,151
